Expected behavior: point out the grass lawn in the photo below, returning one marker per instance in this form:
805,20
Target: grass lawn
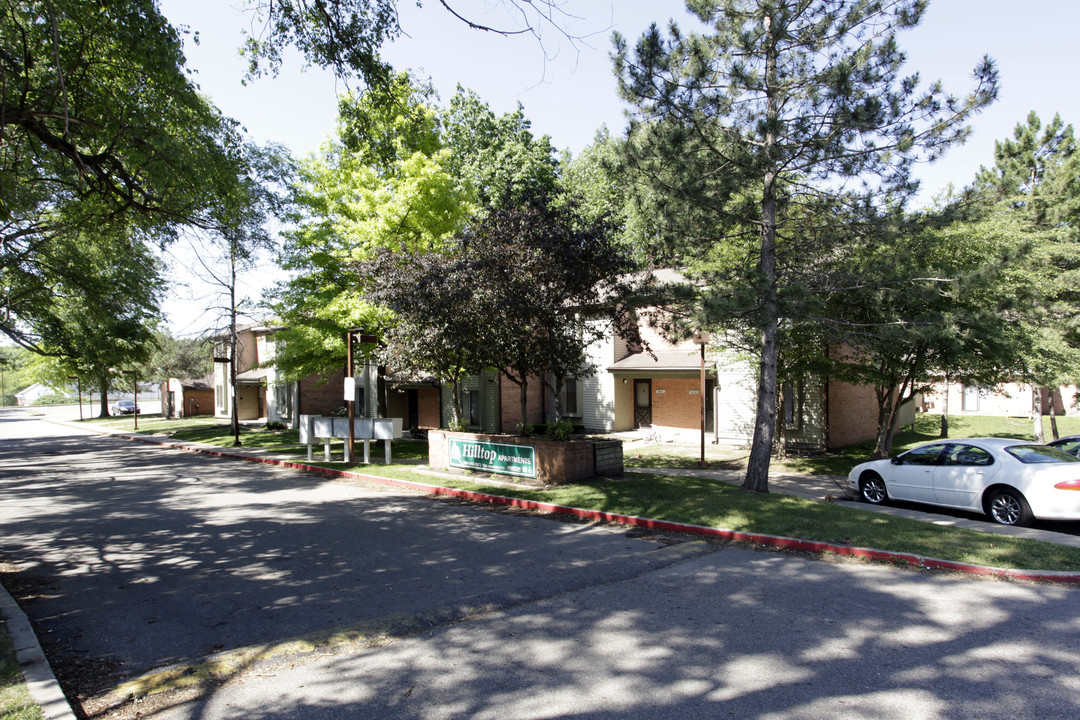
927,428
15,701
712,503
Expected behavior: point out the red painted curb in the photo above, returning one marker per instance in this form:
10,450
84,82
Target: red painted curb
773,541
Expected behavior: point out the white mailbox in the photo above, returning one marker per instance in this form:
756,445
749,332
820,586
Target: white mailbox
314,428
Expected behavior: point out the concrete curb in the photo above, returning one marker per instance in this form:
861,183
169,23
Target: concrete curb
770,541
39,677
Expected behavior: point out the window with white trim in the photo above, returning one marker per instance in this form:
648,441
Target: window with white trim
791,404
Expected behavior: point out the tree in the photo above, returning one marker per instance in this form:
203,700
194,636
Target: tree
239,236
1034,182
497,156
435,327
753,134
177,357
385,182
97,340
14,373
524,289
101,127
933,296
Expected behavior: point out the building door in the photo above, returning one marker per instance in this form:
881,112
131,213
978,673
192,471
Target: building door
412,399
642,403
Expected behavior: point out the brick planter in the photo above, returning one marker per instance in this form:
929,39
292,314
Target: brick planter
556,462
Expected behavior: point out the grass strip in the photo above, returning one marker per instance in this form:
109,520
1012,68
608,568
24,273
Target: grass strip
713,503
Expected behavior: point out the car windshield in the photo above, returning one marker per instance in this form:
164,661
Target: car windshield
1040,454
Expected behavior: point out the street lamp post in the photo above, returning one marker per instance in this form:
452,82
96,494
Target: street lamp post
701,339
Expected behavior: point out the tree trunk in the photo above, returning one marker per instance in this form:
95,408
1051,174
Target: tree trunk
455,401
884,421
1036,413
757,468
103,385
1053,415
945,411
233,342
524,389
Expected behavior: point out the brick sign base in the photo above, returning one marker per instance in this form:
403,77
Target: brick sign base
556,462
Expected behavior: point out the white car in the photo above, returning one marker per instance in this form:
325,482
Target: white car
1012,481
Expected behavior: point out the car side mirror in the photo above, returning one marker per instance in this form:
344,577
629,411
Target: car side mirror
897,461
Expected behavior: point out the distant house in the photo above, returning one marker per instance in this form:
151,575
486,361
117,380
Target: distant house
186,398
263,394
1006,400
29,395
631,388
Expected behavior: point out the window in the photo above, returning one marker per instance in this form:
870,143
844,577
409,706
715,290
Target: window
1037,454
569,398
791,400
926,455
472,409
968,455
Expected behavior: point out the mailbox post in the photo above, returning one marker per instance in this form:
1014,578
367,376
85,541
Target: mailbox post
351,338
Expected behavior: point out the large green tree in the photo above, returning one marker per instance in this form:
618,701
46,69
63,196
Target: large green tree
524,289
100,127
1034,184
758,132
384,182
933,296
498,155
99,341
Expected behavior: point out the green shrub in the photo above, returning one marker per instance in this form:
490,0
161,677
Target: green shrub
561,430
55,399
276,425
460,425
525,429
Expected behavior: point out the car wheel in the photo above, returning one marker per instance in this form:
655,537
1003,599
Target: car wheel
872,488
1008,507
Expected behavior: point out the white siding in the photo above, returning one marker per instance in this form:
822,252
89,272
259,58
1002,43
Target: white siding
736,398
598,388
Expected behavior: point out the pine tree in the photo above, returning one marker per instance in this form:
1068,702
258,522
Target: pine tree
758,133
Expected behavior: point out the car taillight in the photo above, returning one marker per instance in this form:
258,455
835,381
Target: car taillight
1068,485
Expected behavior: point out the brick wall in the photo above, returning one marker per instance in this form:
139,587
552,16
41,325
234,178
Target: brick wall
510,401
673,404
852,414
322,396
197,402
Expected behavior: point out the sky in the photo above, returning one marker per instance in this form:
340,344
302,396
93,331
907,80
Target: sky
568,91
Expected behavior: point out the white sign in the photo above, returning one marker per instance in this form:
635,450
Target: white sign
350,389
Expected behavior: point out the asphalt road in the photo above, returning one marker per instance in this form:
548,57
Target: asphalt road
140,557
